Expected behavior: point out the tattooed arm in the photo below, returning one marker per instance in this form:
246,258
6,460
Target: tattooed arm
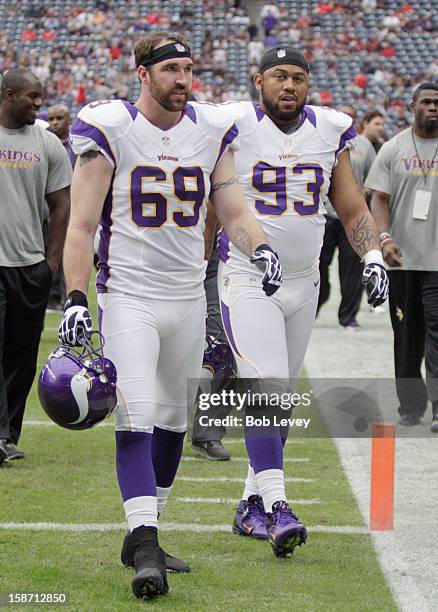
91,181
348,201
241,225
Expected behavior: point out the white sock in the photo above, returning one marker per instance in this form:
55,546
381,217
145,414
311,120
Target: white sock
271,487
162,495
251,487
141,511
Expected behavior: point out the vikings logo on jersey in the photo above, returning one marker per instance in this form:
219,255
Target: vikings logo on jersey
286,178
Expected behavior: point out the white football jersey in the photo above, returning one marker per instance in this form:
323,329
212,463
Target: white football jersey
286,178
151,238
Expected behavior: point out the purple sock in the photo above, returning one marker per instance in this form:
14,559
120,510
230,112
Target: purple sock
167,448
265,453
135,470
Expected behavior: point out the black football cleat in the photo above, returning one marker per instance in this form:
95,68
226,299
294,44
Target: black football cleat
212,449
173,564
3,451
150,578
14,452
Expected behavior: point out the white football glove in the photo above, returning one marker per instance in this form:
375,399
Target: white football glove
376,282
267,261
76,324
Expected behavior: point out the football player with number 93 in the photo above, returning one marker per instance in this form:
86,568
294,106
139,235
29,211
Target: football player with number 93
145,173
292,157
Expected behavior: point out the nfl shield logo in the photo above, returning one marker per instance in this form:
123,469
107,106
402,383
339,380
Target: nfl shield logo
165,140
180,47
281,53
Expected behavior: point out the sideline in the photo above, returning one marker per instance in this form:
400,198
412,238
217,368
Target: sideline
409,554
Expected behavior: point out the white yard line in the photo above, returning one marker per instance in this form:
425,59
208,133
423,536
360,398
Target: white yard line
228,441
232,479
192,527
245,460
110,423
229,500
42,423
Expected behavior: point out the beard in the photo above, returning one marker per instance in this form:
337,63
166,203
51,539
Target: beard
275,112
430,125
164,97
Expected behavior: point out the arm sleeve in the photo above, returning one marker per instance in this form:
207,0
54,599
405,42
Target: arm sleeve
86,137
100,126
230,140
347,140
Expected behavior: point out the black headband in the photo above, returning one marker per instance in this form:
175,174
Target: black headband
283,55
165,52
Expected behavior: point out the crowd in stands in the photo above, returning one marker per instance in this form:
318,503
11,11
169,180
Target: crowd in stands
369,53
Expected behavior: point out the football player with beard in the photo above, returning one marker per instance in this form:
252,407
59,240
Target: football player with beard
292,157
145,172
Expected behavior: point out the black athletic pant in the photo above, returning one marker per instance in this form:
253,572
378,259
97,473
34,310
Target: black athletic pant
350,271
207,433
23,298
413,303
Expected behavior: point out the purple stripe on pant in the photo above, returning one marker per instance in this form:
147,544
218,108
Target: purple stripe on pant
225,311
104,241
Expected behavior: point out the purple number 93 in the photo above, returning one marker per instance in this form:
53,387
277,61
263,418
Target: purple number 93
277,186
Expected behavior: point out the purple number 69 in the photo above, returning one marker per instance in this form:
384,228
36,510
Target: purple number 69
140,197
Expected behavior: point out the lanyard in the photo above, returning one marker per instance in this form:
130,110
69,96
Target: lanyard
425,174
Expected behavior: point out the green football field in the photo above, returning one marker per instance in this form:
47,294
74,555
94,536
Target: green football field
62,525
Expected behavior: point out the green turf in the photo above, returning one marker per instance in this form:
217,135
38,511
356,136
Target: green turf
69,477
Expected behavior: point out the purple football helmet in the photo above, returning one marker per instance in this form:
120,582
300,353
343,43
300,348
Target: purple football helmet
77,386
218,356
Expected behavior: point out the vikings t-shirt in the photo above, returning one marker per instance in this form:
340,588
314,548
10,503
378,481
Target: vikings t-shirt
33,162
400,172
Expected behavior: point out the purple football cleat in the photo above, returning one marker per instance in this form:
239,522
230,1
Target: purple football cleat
285,531
250,518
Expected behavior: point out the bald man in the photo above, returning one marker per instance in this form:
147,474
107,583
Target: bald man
59,119
34,169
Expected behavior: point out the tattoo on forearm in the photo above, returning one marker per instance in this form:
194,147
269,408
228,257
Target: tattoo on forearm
223,184
242,241
364,236
87,157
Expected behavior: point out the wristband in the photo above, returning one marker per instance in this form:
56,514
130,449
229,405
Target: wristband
384,235
373,257
76,298
385,240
